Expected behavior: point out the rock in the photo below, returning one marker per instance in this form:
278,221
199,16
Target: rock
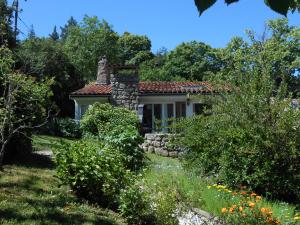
173,154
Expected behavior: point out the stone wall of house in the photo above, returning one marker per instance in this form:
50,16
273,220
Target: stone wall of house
125,90
159,143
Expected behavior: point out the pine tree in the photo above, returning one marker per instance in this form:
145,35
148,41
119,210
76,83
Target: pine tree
54,36
65,30
31,33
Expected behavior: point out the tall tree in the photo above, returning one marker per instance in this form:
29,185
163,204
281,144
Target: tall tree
6,30
190,61
31,33
89,41
134,49
54,35
44,58
22,103
65,29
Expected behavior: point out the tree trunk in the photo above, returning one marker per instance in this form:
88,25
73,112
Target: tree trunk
2,156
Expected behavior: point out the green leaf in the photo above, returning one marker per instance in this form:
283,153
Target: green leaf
280,6
231,1
203,5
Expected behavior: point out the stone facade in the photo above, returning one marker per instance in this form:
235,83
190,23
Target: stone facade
159,143
125,89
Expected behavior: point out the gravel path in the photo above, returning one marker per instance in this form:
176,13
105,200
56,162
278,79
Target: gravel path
198,217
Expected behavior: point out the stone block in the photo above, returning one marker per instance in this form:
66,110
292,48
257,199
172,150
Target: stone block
151,149
173,154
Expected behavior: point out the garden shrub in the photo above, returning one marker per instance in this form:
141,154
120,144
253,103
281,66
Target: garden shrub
67,127
94,171
117,127
253,136
141,204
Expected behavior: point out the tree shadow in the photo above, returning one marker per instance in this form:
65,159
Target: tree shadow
34,160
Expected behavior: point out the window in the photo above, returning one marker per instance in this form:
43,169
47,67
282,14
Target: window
83,109
147,118
180,109
157,116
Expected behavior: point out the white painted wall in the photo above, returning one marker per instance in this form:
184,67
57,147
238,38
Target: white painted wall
82,102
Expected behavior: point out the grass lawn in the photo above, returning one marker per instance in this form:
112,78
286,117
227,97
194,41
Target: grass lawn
31,195
45,142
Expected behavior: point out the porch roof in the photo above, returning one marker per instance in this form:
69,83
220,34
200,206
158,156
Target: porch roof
152,88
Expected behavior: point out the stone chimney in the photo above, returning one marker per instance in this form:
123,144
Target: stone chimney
125,87
103,77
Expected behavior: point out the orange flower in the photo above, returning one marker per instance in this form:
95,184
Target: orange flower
234,193
263,210
231,209
224,210
243,193
258,198
251,204
241,209
253,194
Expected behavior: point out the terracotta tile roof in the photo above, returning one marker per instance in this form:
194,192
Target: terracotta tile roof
150,88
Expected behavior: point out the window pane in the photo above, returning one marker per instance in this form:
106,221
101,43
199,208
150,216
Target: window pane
170,113
180,109
157,116
147,118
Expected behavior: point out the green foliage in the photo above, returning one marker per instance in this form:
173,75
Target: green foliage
253,136
89,41
117,127
6,30
23,104
134,49
44,58
281,7
67,127
94,171
135,205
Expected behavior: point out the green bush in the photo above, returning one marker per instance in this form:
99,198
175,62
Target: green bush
141,204
94,171
252,139
135,206
67,127
117,127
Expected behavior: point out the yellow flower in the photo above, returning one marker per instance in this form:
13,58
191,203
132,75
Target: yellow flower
297,218
224,210
241,209
209,187
258,198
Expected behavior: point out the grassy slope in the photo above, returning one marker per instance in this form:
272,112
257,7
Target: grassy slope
31,195
193,190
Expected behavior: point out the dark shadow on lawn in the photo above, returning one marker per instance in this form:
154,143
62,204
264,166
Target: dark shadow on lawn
54,216
34,160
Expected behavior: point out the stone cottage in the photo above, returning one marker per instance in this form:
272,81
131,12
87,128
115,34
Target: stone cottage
156,103
120,86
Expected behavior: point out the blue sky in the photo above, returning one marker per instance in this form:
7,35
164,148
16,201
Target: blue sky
166,22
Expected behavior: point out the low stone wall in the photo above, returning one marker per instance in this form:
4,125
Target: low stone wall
159,144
